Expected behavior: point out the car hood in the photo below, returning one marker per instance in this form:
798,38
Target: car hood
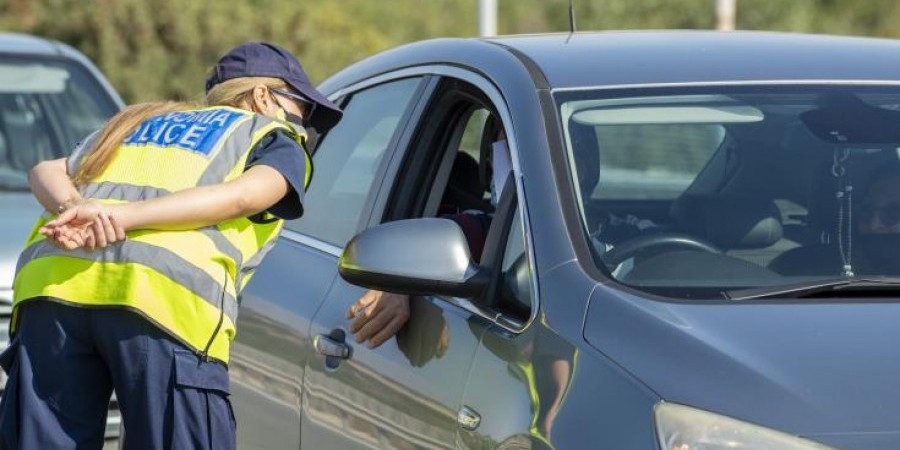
826,369
18,213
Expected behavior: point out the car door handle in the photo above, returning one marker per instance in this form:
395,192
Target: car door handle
331,347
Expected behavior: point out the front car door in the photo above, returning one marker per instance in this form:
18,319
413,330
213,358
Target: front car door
273,340
407,392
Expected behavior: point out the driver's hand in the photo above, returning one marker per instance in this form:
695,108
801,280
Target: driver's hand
379,316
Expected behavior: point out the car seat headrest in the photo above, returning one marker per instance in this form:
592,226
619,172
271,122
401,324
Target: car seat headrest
730,222
464,189
488,136
464,174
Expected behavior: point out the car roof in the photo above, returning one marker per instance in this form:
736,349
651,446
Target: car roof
682,56
625,58
27,44
23,43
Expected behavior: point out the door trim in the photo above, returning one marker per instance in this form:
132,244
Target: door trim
312,242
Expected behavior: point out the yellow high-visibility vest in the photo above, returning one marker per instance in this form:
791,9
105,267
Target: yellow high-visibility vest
186,282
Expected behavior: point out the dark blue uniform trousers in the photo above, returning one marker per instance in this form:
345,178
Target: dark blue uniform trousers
65,361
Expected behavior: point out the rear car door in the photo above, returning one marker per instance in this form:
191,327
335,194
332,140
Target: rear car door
273,339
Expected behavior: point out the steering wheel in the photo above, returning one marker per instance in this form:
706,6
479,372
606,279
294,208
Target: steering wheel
656,242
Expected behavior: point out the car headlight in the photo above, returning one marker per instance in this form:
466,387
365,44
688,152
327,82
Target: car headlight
681,427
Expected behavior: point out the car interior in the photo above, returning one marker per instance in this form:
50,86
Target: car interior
689,196
774,202
46,107
451,159
24,135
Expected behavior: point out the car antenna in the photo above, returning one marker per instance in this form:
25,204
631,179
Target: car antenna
571,21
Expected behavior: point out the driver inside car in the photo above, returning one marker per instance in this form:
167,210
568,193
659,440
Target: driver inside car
377,315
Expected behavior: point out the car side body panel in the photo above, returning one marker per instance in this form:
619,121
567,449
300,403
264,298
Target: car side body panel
273,343
404,394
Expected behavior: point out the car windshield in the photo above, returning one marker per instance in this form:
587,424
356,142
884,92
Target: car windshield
47,105
702,192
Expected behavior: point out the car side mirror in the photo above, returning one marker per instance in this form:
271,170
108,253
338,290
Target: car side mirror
427,256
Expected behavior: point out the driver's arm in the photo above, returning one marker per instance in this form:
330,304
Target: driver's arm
378,316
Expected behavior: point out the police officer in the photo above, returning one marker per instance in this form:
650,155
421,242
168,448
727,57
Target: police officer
201,193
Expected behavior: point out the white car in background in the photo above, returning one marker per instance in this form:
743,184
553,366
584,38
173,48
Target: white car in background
51,97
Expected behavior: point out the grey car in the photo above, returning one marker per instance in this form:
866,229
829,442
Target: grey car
682,258
51,96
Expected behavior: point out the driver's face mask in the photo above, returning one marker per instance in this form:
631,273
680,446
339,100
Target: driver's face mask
502,168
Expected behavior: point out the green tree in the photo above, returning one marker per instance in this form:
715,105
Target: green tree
154,49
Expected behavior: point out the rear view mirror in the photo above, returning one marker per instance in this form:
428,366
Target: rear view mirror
425,256
844,118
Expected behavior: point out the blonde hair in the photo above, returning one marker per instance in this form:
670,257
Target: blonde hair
233,92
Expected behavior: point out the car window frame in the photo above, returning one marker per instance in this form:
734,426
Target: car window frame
402,134
500,106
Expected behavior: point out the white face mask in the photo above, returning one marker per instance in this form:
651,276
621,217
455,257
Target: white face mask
502,169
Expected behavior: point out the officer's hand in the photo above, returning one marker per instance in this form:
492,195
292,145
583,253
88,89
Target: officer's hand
379,316
84,225
65,237
103,231
79,215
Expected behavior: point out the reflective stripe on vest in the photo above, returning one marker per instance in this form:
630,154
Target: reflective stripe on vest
131,193
121,191
160,259
186,281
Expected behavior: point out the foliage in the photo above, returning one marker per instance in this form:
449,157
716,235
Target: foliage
154,49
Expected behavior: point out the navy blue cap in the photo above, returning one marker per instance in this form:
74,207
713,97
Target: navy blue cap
262,59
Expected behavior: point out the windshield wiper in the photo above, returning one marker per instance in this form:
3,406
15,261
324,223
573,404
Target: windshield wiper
835,287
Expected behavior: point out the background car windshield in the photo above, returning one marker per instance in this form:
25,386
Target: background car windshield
696,192
46,107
